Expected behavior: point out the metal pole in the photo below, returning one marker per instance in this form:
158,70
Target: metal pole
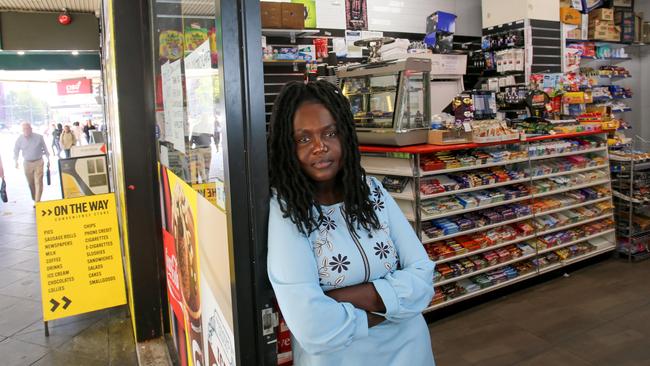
47,329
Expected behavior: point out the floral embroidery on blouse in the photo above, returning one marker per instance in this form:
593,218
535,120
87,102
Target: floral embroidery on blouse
340,263
326,221
377,204
381,250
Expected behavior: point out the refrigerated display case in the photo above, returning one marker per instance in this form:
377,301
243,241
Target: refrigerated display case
390,101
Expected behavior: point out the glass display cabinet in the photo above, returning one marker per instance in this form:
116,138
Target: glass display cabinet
390,101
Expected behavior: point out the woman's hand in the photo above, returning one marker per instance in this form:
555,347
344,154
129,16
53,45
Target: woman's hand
374,319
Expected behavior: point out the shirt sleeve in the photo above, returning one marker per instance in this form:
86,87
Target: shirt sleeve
319,323
408,291
44,148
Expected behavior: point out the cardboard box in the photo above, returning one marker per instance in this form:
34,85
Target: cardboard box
574,34
570,16
602,14
271,14
585,26
441,22
624,3
446,137
604,32
625,19
293,16
638,27
646,32
597,22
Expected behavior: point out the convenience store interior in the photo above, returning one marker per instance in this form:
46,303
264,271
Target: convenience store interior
511,133
545,263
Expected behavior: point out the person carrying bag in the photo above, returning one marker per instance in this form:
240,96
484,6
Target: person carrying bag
3,185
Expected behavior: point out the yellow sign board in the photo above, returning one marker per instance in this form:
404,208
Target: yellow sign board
207,190
213,192
80,256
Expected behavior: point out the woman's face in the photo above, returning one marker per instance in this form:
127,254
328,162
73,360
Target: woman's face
318,146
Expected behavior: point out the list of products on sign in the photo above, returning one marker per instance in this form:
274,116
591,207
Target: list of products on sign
80,256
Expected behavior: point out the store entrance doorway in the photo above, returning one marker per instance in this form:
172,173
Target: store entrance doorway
64,107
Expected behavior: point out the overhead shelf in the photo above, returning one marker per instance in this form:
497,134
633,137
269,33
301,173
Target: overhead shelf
572,40
290,33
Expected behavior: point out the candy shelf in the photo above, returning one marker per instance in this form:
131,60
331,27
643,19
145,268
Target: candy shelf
481,291
407,194
574,171
475,230
581,204
570,226
572,188
472,209
472,189
603,246
473,167
569,153
594,187
486,249
486,269
590,237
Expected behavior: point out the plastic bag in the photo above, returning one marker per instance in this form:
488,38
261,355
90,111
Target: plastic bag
3,192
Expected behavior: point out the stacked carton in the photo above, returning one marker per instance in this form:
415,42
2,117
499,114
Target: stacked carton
602,26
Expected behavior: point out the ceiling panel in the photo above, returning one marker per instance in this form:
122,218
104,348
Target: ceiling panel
74,6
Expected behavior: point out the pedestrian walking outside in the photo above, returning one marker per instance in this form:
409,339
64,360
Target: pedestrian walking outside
87,128
67,141
77,130
56,136
32,146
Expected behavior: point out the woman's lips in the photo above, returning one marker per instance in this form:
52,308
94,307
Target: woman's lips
323,164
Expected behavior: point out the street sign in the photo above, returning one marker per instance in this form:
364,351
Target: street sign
80,256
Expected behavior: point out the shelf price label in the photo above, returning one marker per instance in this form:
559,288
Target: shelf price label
79,255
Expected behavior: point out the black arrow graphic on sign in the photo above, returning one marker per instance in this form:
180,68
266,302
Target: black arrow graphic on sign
55,304
49,212
43,213
67,302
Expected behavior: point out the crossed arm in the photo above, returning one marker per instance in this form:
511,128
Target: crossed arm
363,296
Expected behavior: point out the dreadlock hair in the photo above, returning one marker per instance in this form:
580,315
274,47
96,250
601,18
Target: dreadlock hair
296,192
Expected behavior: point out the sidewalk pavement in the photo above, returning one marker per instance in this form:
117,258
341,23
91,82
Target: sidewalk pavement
99,338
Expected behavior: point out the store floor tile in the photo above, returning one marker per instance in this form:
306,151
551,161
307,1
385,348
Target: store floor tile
597,315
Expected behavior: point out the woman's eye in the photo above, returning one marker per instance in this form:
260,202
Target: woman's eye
303,140
331,134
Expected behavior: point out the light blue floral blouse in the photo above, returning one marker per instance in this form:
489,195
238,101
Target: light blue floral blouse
326,332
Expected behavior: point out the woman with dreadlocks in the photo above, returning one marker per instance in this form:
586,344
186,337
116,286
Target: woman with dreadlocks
350,275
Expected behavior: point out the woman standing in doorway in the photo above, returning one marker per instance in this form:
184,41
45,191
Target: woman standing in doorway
350,275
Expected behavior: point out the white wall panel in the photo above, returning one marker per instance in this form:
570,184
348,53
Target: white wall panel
404,15
330,14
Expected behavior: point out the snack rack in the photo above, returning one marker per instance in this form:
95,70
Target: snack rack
631,184
582,236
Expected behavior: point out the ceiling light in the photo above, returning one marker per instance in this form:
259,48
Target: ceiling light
21,53
75,53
